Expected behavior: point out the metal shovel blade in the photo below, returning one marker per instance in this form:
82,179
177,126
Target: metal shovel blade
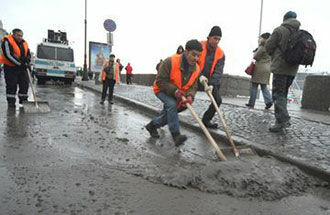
32,107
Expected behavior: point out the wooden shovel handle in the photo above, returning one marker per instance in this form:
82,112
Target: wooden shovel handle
231,142
206,132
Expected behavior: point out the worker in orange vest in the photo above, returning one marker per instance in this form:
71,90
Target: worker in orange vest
211,62
110,76
15,56
177,77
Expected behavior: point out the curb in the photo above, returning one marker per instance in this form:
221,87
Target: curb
221,136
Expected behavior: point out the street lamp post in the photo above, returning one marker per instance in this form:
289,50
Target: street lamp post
85,74
260,23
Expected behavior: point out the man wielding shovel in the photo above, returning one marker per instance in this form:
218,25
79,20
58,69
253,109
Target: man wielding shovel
211,62
177,78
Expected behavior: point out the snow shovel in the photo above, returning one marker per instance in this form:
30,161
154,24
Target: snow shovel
230,140
35,106
206,132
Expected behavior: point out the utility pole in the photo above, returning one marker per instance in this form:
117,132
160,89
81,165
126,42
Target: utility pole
260,23
85,74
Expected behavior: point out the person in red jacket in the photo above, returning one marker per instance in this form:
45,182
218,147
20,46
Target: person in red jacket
129,73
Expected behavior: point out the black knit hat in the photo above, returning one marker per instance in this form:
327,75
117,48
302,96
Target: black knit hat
194,45
289,14
265,35
215,31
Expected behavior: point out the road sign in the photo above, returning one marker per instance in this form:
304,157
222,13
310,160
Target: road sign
109,25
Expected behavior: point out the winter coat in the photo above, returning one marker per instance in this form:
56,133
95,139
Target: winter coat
261,72
163,78
128,69
275,47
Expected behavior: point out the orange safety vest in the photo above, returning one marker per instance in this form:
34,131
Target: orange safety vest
117,77
16,49
218,55
175,75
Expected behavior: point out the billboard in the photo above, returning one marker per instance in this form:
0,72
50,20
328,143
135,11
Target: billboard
98,54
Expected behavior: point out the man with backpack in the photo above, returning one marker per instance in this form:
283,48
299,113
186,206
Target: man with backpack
283,72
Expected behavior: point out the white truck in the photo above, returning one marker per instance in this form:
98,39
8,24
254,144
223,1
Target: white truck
54,59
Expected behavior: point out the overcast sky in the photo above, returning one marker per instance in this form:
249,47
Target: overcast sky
150,30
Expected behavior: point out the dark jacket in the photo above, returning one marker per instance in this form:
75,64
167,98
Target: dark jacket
215,78
276,45
163,77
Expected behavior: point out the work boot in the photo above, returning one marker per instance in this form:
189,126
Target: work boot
179,139
110,101
208,124
278,127
268,105
152,130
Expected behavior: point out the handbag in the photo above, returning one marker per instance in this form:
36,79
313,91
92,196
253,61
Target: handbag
250,69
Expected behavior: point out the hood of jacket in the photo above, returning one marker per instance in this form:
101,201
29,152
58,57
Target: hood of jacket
291,23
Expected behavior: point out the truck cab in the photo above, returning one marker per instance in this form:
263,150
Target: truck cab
55,59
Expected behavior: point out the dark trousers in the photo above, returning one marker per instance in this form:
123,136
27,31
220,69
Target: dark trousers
14,77
281,84
108,84
209,114
129,79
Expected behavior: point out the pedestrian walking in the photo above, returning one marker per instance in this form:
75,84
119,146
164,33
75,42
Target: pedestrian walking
129,73
211,62
110,76
179,50
261,73
120,69
16,59
283,73
177,77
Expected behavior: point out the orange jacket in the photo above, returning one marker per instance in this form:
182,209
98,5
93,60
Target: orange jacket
117,77
175,75
16,50
218,55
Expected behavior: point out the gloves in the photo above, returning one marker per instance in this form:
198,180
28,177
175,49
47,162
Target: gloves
208,88
181,105
202,79
178,94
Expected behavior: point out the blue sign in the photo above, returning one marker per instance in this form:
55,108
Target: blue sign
109,25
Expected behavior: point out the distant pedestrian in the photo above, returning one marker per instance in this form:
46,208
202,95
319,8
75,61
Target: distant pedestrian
177,77
120,69
261,73
212,62
179,50
283,73
16,59
129,73
110,75
158,64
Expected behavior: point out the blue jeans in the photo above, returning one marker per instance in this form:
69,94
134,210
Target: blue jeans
265,93
169,114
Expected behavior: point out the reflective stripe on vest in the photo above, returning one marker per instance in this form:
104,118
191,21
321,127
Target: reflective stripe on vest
218,55
16,50
176,76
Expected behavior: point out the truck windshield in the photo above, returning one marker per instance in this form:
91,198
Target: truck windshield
55,53
65,54
46,52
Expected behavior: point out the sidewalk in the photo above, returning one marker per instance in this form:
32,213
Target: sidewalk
307,141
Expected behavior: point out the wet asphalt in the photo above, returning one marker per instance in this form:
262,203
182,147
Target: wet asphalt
85,158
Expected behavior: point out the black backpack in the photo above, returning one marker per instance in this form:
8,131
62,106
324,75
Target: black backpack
300,49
